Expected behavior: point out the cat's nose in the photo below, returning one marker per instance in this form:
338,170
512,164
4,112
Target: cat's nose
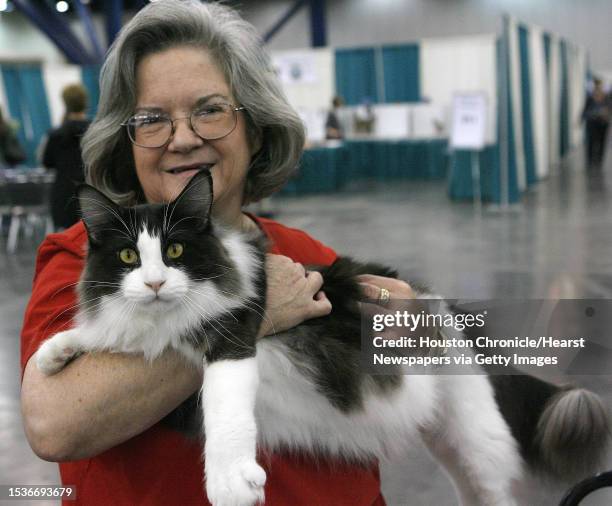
155,285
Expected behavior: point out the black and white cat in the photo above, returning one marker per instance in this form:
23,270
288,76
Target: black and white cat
167,275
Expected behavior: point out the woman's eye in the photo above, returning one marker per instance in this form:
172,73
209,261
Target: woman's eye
175,250
142,121
210,110
128,256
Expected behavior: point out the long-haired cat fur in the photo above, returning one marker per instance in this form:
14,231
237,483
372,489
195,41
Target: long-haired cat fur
168,275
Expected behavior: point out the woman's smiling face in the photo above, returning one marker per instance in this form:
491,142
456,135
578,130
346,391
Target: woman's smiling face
174,82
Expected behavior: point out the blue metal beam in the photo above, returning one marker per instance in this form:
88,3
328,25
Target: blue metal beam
318,26
52,25
284,19
85,15
114,10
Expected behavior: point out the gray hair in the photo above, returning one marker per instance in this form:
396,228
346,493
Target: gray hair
238,51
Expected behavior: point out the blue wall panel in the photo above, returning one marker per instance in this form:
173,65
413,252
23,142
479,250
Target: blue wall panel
530,161
401,70
356,75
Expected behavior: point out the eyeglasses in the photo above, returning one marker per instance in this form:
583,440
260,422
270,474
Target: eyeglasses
210,122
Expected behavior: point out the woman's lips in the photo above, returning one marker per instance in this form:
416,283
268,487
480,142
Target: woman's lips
190,170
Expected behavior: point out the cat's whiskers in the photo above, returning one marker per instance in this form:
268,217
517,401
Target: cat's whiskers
190,307
133,221
165,219
243,299
207,279
227,267
112,211
194,290
207,317
175,224
120,232
69,285
79,306
250,304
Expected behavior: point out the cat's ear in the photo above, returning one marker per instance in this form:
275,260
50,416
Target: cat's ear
97,210
195,201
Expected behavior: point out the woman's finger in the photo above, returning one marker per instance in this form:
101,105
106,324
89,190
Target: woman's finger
398,289
370,292
314,281
321,305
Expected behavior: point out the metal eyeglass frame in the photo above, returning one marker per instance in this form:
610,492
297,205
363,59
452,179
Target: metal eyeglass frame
234,109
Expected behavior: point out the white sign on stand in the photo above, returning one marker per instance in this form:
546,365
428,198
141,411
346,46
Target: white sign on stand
469,131
469,121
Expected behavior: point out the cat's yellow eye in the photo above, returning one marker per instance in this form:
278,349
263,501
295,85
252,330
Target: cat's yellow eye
128,256
175,250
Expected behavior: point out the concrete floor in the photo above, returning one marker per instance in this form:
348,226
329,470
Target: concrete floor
555,245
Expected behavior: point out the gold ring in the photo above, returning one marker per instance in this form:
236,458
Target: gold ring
384,297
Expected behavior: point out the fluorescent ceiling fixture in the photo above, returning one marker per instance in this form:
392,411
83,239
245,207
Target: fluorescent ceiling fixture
61,6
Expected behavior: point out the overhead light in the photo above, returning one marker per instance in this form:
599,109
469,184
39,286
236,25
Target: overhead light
3,5
61,6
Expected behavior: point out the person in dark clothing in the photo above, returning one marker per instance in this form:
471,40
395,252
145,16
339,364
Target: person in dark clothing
333,126
63,153
11,152
596,114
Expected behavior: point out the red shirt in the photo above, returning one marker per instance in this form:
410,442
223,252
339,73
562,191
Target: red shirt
160,466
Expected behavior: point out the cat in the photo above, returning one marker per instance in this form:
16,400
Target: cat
161,276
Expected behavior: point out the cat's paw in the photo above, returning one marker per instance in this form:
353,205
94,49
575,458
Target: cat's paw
239,484
51,357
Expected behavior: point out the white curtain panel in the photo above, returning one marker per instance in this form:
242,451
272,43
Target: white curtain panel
460,64
56,77
577,88
554,98
516,103
539,99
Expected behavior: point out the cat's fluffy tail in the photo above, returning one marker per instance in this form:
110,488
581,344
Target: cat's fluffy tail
563,431
573,432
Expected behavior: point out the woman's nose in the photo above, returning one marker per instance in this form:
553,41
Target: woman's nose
184,138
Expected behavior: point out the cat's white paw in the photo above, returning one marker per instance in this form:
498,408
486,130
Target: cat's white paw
51,357
238,484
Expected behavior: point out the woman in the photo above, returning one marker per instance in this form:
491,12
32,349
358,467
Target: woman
99,416
63,153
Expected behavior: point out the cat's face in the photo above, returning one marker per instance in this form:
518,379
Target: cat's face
153,256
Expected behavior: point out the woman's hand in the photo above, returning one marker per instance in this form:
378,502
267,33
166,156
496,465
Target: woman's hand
293,295
373,288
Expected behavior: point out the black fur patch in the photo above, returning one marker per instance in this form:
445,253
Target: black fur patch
327,349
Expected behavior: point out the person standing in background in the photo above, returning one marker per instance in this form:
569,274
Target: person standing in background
596,114
333,126
11,152
63,153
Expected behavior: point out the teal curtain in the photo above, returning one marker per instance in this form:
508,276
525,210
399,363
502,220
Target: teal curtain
547,52
530,161
10,77
564,125
27,100
90,75
401,70
513,188
356,75
460,182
